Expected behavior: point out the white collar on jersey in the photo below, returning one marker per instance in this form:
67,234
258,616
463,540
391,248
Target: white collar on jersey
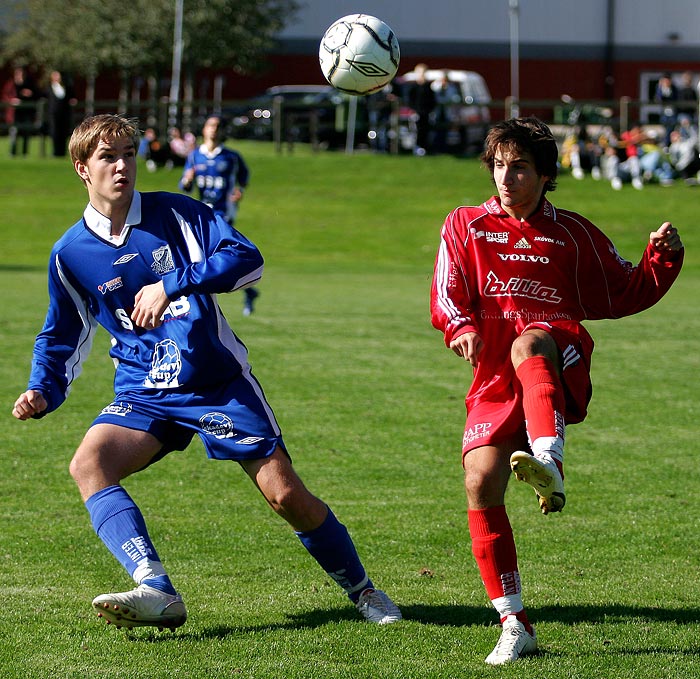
101,226
211,154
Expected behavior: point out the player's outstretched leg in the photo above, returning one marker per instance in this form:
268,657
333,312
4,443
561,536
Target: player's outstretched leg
120,525
324,537
332,547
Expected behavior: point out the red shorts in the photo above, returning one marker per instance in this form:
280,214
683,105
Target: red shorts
491,421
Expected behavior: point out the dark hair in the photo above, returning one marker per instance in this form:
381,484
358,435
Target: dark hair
524,135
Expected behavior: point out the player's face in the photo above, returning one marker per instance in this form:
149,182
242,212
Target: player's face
210,131
518,184
110,173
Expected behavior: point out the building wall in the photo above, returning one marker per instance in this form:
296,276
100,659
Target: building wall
597,49
546,22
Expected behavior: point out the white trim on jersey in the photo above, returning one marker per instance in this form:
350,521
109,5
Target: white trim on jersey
193,248
74,365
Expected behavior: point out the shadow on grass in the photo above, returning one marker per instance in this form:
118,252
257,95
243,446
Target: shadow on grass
457,616
571,615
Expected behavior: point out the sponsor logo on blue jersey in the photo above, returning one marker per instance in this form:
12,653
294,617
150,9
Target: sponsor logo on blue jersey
109,286
117,408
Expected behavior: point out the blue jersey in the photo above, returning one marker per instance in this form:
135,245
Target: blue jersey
216,175
93,279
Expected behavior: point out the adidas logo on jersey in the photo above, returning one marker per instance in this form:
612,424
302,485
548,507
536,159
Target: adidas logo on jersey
522,244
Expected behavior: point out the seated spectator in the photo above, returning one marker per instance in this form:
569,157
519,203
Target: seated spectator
582,154
654,162
683,154
154,151
687,129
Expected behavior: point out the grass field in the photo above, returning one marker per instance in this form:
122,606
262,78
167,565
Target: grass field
372,408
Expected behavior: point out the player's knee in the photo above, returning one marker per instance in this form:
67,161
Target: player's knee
484,488
298,507
475,483
533,343
285,500
83,464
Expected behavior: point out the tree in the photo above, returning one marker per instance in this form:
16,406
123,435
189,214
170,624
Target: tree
89,38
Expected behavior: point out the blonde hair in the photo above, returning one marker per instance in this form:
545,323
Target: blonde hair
88,134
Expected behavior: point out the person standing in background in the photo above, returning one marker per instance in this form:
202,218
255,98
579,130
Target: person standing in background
421,98
20,94
61,102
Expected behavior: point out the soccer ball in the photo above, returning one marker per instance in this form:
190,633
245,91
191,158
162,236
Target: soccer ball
359,54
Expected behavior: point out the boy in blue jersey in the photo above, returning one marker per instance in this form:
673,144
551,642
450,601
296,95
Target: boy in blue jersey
221,176
147,267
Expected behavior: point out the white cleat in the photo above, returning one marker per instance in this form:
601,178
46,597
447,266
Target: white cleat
377,607
141,607
544,476
515,642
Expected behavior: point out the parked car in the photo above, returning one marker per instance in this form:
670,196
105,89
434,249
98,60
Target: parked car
465,118
309,113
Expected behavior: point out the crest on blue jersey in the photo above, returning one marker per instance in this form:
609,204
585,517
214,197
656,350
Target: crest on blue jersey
166,365
162,260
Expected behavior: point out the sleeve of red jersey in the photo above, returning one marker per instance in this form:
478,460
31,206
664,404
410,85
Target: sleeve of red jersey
630,289
450,302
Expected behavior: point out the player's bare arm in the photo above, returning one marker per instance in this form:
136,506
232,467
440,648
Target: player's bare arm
468,346
666,238
30,403
187,179
150,305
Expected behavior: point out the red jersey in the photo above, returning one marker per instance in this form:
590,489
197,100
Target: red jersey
496,275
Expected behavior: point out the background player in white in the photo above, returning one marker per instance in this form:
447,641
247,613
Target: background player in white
147,267
513,280
221,176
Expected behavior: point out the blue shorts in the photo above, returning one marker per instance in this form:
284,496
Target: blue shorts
234,420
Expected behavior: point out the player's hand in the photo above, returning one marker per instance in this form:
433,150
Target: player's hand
468,346
666,238
30,403
188,178
150,305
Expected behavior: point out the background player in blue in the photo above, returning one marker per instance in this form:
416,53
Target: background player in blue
221,176
147,267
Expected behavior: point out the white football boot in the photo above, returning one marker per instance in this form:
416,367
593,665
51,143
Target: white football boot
141,607
544,476
377,607
515,642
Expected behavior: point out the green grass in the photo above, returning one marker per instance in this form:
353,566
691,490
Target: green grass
372,408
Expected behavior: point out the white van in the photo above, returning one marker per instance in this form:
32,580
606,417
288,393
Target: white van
469,115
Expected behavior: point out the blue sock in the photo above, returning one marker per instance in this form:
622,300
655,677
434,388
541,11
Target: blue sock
330,544
119,523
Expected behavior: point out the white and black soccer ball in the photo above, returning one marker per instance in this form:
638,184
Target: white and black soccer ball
359,54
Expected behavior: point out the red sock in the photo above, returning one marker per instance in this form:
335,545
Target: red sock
493,547
543,398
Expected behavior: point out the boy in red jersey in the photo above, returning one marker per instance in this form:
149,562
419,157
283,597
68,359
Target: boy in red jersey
513,280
